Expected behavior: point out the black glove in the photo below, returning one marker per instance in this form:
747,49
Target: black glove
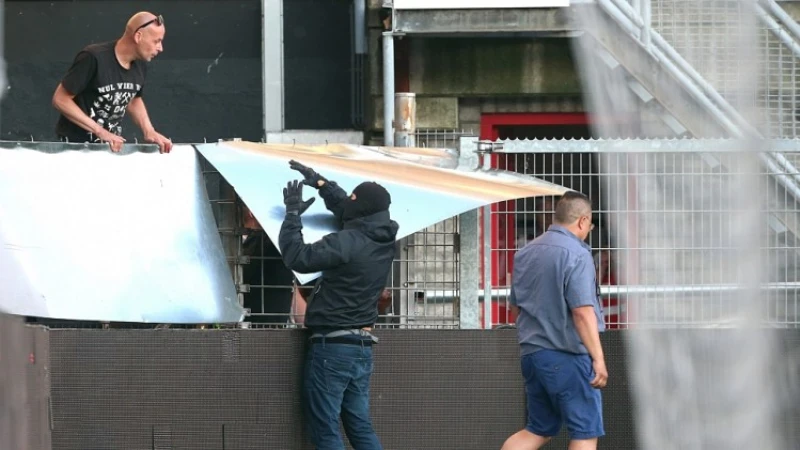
311,177
293,198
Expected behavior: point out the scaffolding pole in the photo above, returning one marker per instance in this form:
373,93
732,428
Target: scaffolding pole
388,89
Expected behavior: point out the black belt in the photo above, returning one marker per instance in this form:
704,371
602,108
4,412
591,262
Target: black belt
342,340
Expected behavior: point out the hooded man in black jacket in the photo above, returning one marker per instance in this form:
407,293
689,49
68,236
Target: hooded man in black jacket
355,263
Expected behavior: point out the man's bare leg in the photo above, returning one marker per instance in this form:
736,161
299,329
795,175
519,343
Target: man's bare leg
525,440
583,444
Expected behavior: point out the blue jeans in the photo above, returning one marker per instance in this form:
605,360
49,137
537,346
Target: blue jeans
336,382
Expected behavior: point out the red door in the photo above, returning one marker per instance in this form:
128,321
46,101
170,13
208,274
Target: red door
503,220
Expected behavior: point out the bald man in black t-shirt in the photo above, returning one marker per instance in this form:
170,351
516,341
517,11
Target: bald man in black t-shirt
107,80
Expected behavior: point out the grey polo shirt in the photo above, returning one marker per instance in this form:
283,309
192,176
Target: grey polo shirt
553,274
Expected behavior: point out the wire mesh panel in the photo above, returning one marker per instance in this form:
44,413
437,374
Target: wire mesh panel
678,263
525,219
226,207
707,34
422,291
425,280
270,292
778,83
439,138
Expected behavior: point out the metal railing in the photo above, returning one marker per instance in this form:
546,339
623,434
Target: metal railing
635,18
711,48
440,138
703,35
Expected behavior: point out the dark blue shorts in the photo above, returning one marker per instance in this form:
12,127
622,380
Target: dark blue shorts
558,391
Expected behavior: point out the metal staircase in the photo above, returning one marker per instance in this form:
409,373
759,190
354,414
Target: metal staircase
660,48
669,71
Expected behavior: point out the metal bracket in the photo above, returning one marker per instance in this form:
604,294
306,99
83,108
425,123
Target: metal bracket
485,146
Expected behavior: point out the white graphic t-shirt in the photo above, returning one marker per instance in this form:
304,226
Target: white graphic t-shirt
102,88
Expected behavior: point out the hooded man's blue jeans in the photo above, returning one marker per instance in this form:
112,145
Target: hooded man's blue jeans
336,382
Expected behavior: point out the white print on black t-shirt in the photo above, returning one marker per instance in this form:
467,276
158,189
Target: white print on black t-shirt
108,108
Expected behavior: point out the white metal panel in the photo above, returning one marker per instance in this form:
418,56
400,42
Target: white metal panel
86,234
425,188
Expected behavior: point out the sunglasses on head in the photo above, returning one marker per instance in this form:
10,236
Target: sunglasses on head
159,20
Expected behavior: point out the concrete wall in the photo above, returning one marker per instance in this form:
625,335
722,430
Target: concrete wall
481,75
498,66
458,78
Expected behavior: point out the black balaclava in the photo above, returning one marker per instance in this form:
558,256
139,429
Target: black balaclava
371,198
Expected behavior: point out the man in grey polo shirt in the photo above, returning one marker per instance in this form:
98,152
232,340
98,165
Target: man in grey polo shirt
559,319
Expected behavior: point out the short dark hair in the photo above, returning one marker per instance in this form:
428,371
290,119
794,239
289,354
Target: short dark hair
571,206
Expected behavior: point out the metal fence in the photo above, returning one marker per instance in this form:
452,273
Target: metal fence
709,35
440,138
664,247
425,279
419,293
428,278
667,238
422,289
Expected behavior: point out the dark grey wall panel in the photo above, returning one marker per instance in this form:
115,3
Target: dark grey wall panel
206,84
200,389
431,389
317,64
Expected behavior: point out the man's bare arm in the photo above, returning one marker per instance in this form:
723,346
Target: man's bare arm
586,325
138,113
299,305
63,102
140,117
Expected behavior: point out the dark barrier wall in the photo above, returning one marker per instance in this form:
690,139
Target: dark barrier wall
317,64
239,389
206,84
23,386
